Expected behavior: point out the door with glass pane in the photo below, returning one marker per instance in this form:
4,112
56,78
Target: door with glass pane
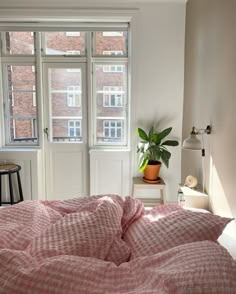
65,131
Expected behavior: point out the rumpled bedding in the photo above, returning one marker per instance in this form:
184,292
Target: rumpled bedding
82,245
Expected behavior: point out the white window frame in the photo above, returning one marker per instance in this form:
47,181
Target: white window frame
72,91
40,58
14,128
34,100
34,127
12,94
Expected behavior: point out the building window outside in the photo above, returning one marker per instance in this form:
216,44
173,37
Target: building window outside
112,52
112,34
74,128
112,129
112,96
113,68
72,34
73,96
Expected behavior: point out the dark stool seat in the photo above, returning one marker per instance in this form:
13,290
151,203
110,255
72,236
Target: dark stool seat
9,169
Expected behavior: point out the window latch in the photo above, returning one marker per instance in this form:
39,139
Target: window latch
46,132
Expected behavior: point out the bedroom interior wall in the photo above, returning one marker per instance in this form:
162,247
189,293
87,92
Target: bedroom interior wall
158,79
209,98
157,70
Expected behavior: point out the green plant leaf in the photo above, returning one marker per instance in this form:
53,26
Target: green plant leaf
165,156
143,165
164,133
142,134
156,138
170,143
150,134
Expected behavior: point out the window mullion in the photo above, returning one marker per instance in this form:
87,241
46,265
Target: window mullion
90,86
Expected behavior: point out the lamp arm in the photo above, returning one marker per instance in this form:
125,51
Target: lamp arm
196,131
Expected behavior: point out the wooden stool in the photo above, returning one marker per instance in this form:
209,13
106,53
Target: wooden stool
9,169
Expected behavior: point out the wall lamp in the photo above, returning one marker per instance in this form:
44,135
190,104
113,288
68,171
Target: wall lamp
193,143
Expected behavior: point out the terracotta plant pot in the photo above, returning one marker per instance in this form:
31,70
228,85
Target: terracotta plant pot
151,171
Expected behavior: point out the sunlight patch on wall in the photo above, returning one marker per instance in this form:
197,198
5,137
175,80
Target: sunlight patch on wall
218,199
220,206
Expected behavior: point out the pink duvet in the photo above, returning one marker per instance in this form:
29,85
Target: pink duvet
78,246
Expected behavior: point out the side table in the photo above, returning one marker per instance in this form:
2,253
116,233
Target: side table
192,198
148,193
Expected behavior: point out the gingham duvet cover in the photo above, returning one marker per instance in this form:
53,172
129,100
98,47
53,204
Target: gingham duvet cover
85,245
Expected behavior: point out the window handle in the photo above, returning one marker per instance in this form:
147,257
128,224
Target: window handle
46,132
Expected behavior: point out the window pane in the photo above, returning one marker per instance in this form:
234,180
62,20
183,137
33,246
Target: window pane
77,132
20,78
20,43
65,91
23,130
111,43
110,112
65,43
22,109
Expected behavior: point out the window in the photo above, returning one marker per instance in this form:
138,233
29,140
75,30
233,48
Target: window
111,106
61,43
74,128
113,68
112,129
111,42
73,96
19,43
23,55
20,107
112,96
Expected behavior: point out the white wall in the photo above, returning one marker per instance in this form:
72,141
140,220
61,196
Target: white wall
210,88
157,84
158,32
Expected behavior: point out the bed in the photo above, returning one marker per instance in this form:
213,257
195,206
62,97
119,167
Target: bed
107,244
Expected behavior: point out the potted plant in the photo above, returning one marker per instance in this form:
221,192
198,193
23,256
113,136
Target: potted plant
154,152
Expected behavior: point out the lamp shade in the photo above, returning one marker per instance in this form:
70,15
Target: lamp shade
192,143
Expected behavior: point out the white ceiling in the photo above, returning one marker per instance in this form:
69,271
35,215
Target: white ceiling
77,3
